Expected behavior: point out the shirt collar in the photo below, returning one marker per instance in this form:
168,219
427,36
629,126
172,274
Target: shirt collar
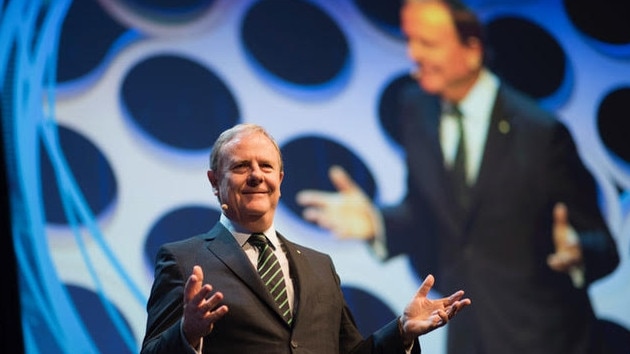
242,235
479,101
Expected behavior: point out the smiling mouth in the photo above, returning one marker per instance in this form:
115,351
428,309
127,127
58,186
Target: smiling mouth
255,192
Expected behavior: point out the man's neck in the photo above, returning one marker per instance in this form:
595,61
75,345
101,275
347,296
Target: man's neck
460,90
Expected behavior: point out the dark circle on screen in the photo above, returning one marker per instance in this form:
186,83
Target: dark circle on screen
178,102
176,225
87,34
306,163
369,312
102,330
169,11
605,20
389,108
526,56
295,41
384,15
613,123
88,166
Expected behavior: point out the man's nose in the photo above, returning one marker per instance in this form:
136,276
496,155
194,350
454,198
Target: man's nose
255,176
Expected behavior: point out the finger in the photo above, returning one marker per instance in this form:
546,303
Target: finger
312,214
313,198
214,316
320,218
426,286
458,306
444,317
213,301
463,303
341,179
455,296
193,283
562,261
560,215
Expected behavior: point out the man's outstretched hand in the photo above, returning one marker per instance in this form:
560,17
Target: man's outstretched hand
348,213
423,315
201,310
568,252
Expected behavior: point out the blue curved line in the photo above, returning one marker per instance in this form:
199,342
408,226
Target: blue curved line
69,188
50,322
109,308
74,202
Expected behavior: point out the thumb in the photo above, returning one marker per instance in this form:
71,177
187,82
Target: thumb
341,179
561,226
560,215
426,286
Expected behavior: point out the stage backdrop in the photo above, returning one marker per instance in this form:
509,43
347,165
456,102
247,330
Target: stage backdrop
111,106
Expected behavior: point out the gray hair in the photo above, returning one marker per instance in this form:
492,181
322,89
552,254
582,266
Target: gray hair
230,134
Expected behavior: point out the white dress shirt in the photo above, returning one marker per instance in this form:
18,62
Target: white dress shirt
476,109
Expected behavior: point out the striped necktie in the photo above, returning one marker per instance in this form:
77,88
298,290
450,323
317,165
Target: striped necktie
271,273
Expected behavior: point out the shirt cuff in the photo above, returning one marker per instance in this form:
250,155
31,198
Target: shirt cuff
184,340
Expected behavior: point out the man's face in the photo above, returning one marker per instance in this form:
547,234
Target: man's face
447,66
249,178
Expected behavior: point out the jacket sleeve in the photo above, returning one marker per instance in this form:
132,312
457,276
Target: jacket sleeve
573,184
165,309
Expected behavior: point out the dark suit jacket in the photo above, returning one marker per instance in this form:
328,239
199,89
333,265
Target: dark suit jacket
322,321
497,249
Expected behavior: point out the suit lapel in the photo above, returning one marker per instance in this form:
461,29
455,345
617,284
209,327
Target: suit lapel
500,131
297,265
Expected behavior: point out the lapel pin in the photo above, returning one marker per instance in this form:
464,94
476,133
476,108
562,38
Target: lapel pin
299,252
504,126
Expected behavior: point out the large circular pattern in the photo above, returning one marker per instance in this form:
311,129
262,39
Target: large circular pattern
179,102
87,166
295,41
604,20
177,225
319,154
86,37
526,55
369,312
613,123
385,15
102,329
388,106
169,11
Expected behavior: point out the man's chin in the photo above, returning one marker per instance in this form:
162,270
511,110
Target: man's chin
429,86
258,209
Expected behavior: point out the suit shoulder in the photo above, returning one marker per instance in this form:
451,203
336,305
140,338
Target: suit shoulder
307,251
183,244
521,105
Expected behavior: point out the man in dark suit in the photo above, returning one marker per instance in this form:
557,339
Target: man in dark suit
519,226
305,314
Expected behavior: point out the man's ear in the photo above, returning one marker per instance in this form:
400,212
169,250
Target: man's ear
213,181
475,52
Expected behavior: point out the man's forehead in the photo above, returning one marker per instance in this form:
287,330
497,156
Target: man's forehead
235,150
427,14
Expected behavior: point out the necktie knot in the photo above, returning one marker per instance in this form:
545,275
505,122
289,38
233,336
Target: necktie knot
258,240
452,109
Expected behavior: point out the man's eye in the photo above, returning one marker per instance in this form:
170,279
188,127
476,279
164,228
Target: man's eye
239,168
